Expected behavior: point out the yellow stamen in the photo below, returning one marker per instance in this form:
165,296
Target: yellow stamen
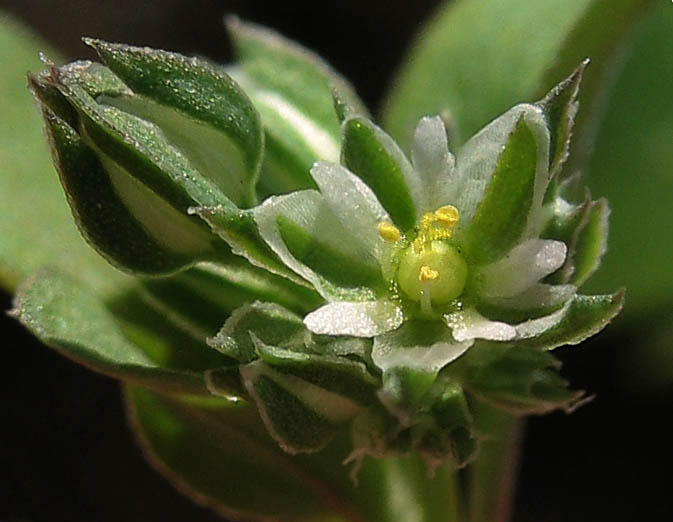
427,274
435,226
388,231
447,215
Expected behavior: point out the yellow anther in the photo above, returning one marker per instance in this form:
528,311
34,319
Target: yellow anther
427,220
427,274
447,215
388,231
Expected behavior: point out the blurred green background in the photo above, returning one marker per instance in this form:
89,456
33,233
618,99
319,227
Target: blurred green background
65,452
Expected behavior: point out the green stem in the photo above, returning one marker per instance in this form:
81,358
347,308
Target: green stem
406,493
492,478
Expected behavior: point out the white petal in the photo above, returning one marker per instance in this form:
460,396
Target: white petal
470,324
308,210
478,157
537,296
535,327
352,202
434,163
522,267
362,319
401,348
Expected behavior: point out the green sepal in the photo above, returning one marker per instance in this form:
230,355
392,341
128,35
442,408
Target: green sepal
584,316
590,243
269,322
520,379
339,375
371,154
65,315
433,415
291,87
300,416
239,229
199,107
447,406
584,229
309,239
560,108
510,196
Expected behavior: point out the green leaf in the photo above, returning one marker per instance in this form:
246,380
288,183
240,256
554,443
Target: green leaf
103,217
65,315
476,58
219,452
560,108
583,317
591,242
373,155
520,379
509,207
199,108
631,167
151,184
292,89
36,226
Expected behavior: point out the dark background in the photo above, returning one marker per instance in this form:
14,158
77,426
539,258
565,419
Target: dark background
65,451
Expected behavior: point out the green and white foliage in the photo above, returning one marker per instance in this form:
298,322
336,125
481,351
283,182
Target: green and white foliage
303,263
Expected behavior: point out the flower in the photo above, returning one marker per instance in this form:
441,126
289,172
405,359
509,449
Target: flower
428,256
378,293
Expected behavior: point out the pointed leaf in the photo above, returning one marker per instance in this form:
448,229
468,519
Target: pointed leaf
66,316
591,242
373,155
560,108
583,317
104,218
519,379
199,108
505,171
36,225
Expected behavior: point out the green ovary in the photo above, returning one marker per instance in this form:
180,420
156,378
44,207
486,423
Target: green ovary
436,272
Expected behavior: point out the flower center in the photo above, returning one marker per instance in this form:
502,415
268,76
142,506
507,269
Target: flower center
430,270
